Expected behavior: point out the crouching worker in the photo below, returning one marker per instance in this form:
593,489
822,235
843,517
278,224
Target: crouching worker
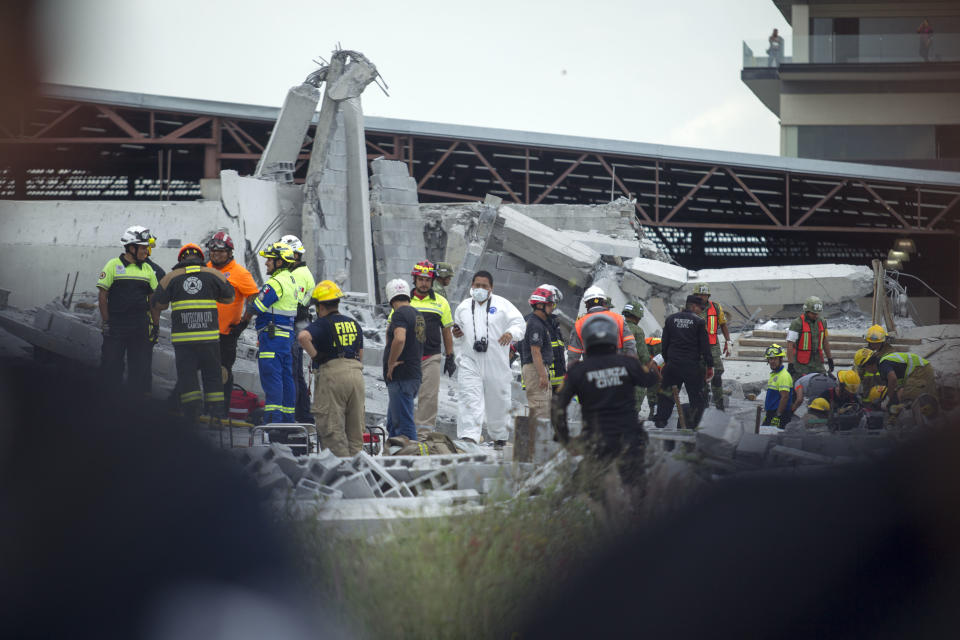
779,389
193,292
335,344
605,382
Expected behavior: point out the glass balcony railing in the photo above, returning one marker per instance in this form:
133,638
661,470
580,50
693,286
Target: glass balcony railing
858,49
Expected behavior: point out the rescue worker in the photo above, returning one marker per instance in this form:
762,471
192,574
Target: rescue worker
276,307
193,291
655,348
438,322
839,391
808,342
334,343
632,312
605,382
402,359
444,276
125,286
779,389
716,319
536,355
305,285
558,365
906,375
484,325
878,341
817,417
156,268
220,249
596,301
684,343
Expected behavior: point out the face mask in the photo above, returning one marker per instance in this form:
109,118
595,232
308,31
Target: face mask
480,295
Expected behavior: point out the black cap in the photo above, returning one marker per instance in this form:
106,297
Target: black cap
694,299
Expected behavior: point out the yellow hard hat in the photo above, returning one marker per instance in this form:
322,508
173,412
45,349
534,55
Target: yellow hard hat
820,404
877,393
876,334
863,357
279,250
850,379
326,290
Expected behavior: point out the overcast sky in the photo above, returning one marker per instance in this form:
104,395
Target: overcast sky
657,72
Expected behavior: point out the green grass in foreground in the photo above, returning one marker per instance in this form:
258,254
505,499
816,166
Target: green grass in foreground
472,576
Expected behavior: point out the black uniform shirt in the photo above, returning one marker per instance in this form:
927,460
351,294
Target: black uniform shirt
411,320
685,339
335,336
606,385
559,348
537,335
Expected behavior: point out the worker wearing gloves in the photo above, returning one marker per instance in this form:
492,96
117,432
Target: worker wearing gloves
807,341
605,381
334,343
778,401
193,291
484,326
305,285
444,276
438,321
536,355
402,359
654,348
907,376
716,320
632,312
125,286
220,250
596,301
684,344
276,307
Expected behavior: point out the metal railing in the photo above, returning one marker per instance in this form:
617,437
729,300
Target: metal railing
853,49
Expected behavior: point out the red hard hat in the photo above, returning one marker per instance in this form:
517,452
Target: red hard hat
541,295
424,269
220,240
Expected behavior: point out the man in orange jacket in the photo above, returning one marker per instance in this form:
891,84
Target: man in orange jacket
220,248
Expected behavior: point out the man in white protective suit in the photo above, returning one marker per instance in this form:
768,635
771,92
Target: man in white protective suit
484,325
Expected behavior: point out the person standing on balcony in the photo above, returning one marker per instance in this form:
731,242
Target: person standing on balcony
775,50
926,39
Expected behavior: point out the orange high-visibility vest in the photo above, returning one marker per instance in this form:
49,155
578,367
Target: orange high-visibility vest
712,323
652,341
617,318
805,343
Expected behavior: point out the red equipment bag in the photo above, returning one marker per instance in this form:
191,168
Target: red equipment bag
242,402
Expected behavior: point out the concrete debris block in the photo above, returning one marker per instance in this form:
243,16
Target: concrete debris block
307,489
606,245
290,128
357,485
546,248
438,480
388,181
473,476
363,461
766,286
635,286
325,468
383,167
718,433
456,496
282,456
662,274
499,488
798,456
559,469
752,448
400,491
272,478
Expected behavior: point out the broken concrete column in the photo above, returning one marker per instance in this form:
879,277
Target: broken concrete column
359,239
290,129
546,248
396,220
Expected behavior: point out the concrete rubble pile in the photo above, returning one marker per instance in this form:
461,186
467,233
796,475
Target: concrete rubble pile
364,490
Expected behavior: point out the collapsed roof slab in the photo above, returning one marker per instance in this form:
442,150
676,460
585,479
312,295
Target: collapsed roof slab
767,286
662,274
606,245
551,250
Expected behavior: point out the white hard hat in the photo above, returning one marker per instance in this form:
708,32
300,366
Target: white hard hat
294,243
594,292
136,235
396,288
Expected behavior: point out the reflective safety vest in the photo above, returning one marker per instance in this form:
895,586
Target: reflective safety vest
805,342
616,317
279,305
712,323
912,361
